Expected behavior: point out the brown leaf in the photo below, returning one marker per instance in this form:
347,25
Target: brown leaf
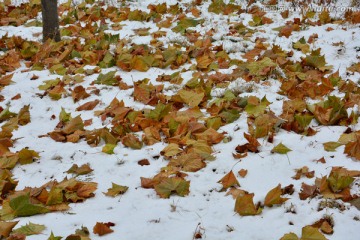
274,197
88,106
242,172
307,191
6,228
352,149
6,80
79,93
229,180
16,97
102,229
144,162
130,140
86,190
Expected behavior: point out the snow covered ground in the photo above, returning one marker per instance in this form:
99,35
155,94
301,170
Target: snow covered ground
206,212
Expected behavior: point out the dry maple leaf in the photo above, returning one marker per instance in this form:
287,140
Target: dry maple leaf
353,148
245,206
229,180
273,197
102,228
307,191
88,106
6,228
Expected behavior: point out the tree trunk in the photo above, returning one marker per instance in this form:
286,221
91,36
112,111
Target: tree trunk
50,20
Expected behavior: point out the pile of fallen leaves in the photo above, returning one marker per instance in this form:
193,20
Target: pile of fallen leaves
189,121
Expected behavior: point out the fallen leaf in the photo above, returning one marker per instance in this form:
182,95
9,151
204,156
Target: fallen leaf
130,140
6,228
88,106
102,229
30,229
311,233
172,185
144,162
79,93
307,191
243,172
274,197
229,180
82,170
116,190
281,149
290,236
245,206
352,148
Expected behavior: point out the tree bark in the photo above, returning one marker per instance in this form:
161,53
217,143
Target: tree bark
50,20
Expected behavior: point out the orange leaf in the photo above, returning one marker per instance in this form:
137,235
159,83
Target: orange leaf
352,149
79,93
229,180
243,172
102,229
88,106
273,197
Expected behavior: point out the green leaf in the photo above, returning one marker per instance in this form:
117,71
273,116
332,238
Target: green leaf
245,206
172,185
52,237
261,68
303,120
316,60
27,156
339,181
159,112
82,170
281,148
116,190
191,98
185,23
30,229
64,116
49,83
331,146
229,115
274,197
56,196
107,79
108,148
302,45
74,124
24,116
290,236
6,114
22,206
311,233
58,69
